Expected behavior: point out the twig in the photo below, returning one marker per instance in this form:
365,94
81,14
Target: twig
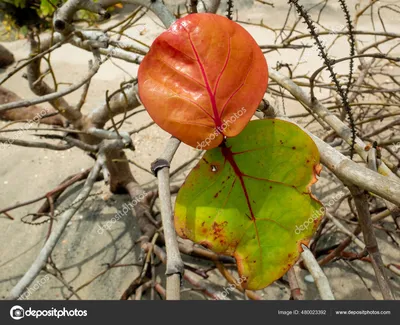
341,129
294,286
55,235
320,278
189,276
35,144
225,273
53,96
175,267
193,6
158,7
8,215
364,218
351,172
343,229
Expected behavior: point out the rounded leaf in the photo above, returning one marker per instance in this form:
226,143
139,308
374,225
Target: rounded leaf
251,199
203,79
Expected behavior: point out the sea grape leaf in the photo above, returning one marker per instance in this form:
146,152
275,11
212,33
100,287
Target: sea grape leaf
203,79
250,198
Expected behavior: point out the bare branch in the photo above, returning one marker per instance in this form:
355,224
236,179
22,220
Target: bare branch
320,278
72,115
175,267
341,129
55,235
364,218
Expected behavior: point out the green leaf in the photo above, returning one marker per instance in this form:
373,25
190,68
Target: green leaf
24,30
47,7
17,3
251,199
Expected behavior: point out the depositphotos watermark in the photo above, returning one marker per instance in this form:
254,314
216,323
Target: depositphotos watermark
36,286
17,312
220,129
26,127
126,207
318,213
230,288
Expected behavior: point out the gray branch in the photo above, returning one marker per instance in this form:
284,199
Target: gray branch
55,235
175,268
319,276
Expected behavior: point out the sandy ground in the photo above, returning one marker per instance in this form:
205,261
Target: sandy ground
27,173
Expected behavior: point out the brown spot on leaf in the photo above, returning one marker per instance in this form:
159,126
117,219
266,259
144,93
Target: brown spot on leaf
232,245
218,228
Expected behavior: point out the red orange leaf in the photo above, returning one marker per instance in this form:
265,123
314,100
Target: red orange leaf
202,79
